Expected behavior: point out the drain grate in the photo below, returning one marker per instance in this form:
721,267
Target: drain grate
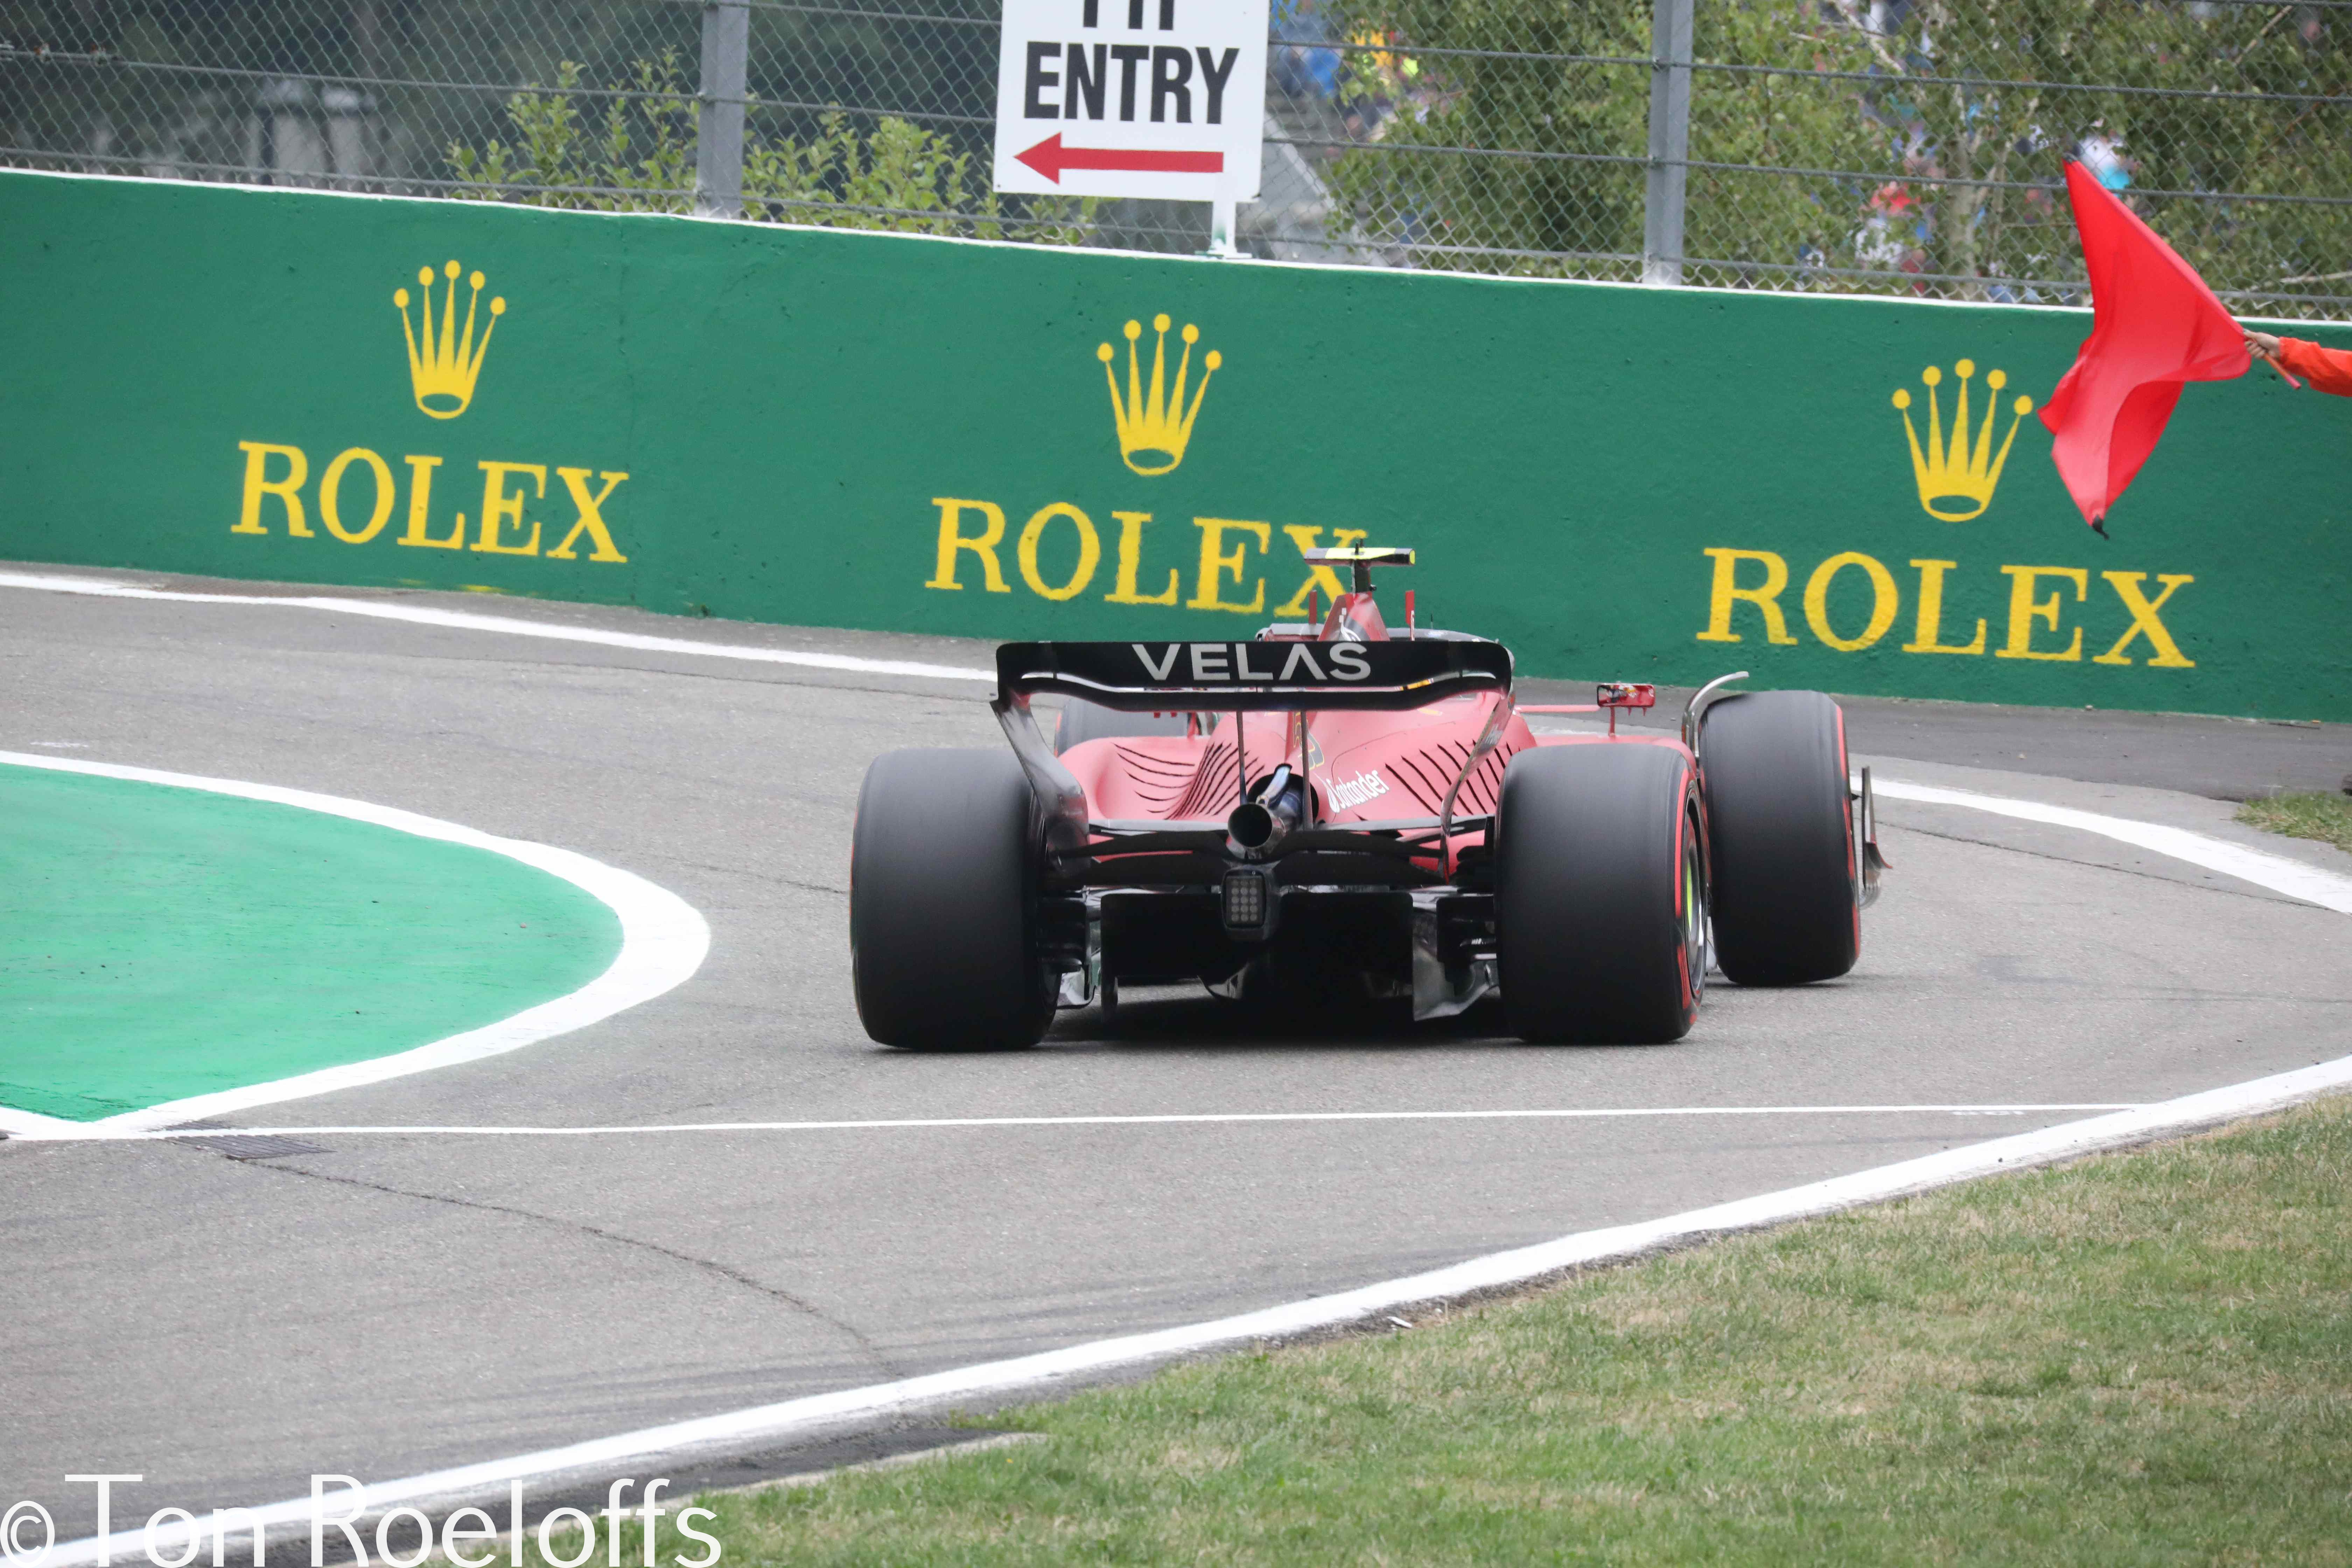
244,1145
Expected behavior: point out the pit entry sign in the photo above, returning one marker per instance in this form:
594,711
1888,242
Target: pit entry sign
1156,99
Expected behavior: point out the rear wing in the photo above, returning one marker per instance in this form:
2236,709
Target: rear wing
1252,677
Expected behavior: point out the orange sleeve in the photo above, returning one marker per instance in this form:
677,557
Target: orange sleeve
2330,370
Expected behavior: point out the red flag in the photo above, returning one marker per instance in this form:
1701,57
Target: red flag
2156,326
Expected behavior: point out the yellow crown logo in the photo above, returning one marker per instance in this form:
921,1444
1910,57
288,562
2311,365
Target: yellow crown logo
1153,428
441,367
1956,473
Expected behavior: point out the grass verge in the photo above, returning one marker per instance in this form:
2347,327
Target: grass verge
2139,1358
2326,817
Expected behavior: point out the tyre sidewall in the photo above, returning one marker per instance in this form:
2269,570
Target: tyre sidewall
1589,891
1787,909
942,902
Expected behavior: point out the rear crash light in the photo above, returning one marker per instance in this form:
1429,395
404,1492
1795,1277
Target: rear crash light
1249,902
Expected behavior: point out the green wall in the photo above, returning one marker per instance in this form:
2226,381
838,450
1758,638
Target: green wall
791,407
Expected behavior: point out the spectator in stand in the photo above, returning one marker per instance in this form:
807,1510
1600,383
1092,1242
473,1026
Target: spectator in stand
2103,153
1299,69
2330,370
1879,242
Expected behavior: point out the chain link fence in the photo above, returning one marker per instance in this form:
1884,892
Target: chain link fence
1903,147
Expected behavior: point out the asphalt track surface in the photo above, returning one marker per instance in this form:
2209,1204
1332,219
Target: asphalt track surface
395,1304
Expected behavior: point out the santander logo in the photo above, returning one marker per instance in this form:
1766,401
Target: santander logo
1348,794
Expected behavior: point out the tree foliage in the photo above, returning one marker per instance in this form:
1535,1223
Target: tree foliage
1924,137
1837,144
640,158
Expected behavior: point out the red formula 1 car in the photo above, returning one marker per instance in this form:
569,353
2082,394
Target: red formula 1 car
1336,806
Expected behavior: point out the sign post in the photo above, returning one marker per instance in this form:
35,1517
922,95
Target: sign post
1156,99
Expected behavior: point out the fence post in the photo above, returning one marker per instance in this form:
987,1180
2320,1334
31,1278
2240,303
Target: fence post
1661,208
719,113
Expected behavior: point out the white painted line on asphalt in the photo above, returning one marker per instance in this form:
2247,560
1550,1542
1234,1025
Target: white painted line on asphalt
32,1124
798,1419
2329,890
465,620
663,940
97,1133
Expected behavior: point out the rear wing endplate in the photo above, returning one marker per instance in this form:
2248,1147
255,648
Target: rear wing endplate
1252,677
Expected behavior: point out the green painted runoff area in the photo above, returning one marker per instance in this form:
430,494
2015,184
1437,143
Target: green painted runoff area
157,942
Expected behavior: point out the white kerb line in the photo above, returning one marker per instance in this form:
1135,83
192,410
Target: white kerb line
798,1419
2312,884
772,1423
508,625
663,940
1169,1119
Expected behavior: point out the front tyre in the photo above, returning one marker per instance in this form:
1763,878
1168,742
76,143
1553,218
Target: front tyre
943,938
1600,893
1787,904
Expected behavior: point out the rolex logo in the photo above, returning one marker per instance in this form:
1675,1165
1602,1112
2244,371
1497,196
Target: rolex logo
1153,427
442,364
1955,482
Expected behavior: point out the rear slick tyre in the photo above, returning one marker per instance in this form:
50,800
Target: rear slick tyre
942,904
1601,894
1781,824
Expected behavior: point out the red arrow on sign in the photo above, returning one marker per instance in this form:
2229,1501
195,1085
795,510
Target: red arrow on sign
1049,158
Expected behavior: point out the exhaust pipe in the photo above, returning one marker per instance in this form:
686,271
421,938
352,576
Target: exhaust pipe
1256,826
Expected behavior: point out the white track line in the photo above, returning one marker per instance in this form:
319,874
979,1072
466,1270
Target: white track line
657,1448
1580,1113
799,1418
662,941
2277,872
465,620
2329,890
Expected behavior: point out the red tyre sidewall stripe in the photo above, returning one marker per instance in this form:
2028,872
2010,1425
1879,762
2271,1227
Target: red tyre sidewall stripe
1845,812
1683,799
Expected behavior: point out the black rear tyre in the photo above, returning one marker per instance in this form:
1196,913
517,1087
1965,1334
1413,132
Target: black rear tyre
1780,821
1082,720
943,936
1601,894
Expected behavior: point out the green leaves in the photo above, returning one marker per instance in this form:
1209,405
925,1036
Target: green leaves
1928,152
899,176
641,160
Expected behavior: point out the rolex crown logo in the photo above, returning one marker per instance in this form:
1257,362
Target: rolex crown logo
442,364
1957,481
1154,426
